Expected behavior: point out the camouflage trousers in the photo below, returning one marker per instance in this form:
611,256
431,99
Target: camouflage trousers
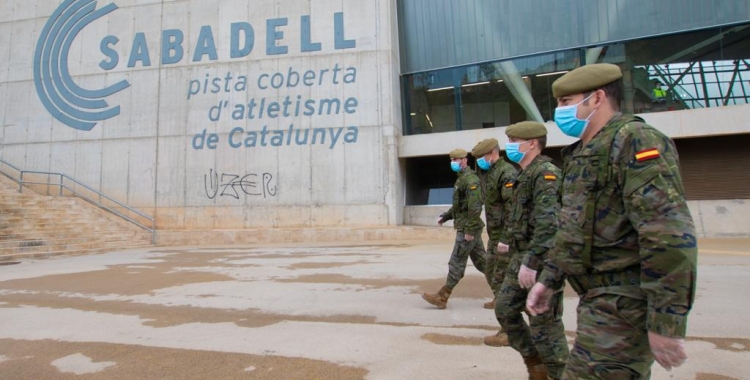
544,336
462,251
497,265
612,340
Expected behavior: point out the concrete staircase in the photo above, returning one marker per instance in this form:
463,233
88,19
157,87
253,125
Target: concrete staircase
33,225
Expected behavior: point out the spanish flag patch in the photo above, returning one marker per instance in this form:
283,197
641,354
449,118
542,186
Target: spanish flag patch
550,177
509,184
473,187
647,154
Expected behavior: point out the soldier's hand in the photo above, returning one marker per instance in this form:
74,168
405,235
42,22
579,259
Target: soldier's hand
669,352
502,248
537,302
469,237
526,277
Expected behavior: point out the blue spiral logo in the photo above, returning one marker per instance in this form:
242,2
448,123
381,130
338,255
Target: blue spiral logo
74,106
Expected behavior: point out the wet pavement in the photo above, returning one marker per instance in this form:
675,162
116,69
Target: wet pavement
296,312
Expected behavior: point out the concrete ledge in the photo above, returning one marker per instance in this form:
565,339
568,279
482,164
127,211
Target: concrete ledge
725,120
721,218
425,215
302,235
713,219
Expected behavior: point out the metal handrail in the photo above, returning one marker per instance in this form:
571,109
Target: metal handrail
62,186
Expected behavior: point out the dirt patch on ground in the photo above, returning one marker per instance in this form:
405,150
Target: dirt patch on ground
33,360
166,316
284,255
118,279
470,286
728,344
294,246
452,340
272,256
325,265
168,271
340,279
712,376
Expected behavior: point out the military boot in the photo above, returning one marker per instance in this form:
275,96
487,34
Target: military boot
498,340
440,299
490,305
537,369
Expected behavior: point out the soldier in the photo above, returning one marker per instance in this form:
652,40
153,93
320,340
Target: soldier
534,221
626,239
498,189
466,211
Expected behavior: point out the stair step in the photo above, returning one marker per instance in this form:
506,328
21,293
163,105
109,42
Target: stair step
26,244
36,225
62,225
73,252
68,229
68,246
82,231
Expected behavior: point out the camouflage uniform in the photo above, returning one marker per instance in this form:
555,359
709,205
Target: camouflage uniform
498,190
627,244
465,212
534,223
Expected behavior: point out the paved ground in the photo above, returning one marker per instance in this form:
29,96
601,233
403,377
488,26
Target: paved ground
301,313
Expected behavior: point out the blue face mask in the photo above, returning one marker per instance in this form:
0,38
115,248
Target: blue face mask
511,150
483,164
456,166
567,120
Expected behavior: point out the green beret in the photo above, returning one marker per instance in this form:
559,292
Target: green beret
483,147
586,78
526,130
458,153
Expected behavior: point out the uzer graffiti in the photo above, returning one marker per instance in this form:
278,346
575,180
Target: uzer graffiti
234,185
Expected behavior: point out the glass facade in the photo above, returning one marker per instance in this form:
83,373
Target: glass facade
437,34
706,68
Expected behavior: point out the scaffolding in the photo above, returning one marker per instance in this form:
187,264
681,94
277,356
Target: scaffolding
703,84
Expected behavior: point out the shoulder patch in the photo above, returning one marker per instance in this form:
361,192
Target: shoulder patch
647,154
509,184
549,176
473,187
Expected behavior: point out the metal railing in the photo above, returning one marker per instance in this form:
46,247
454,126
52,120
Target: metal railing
77,189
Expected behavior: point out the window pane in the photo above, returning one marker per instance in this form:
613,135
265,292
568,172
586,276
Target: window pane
432,102
685,71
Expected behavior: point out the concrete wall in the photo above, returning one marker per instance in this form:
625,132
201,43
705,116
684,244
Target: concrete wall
155,153
723,218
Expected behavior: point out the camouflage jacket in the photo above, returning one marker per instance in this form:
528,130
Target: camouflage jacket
535,205
498,190
467,204
623,204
